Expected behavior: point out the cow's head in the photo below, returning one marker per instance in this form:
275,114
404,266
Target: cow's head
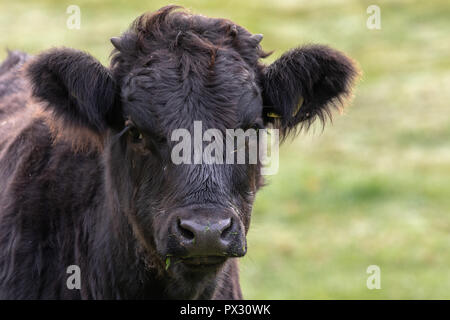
168,70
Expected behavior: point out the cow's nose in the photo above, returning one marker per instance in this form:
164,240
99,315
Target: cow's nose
206,232
213,231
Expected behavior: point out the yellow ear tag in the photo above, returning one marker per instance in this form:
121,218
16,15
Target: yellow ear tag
299,105
273,115
297,109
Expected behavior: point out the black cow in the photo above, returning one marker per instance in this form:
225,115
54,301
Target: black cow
85,167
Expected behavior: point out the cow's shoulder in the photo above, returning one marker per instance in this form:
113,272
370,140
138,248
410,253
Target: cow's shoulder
39,169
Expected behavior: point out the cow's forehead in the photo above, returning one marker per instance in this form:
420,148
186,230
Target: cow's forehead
175,91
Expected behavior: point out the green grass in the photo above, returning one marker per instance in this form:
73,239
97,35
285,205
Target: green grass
373,188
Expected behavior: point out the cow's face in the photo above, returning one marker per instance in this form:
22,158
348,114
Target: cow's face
199,211
171,71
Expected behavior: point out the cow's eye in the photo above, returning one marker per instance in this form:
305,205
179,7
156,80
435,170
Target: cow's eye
135,134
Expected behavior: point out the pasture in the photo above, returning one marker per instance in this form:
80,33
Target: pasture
372,189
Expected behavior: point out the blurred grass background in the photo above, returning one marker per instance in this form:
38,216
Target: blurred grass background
373,188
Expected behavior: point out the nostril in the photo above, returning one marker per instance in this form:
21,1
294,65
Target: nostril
185,233
227,228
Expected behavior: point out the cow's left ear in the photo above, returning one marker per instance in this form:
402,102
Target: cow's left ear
76,88
305,84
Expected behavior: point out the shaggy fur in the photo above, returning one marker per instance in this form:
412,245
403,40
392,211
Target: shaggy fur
85,169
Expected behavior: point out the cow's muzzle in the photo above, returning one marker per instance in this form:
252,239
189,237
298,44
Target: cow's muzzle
205,235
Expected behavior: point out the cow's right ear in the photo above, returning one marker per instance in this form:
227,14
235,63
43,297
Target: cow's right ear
75,87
